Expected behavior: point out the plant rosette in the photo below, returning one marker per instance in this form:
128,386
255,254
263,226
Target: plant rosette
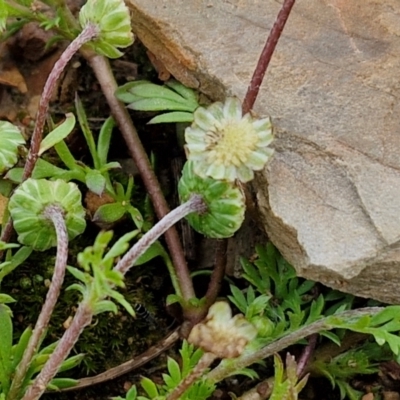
225,204
27,208
10,140
114,23
224,144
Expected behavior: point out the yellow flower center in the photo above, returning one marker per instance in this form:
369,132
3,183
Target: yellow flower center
231,143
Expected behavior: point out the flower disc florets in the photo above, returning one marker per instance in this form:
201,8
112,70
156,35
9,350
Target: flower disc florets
221,334
10,140
113,20
223,144
28,206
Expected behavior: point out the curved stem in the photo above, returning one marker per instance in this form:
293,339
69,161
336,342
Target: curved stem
89,32
55,214
223,371
194,204
102,70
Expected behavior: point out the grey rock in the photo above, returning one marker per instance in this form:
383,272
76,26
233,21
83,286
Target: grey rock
330,198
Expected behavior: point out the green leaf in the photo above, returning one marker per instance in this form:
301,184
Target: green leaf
158,104
153,251
78,274
121,300
238,299
144,89
174,370
6,332
71,362
121,245
149,387
95,181
44,169
62,383
109,213
87,133
103,142
331,336
132,393
136,216
66,157
105,306
189,94
58,134
173,298
172,117
19,348
5,298
3,15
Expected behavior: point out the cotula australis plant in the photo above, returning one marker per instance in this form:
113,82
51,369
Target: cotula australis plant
225,144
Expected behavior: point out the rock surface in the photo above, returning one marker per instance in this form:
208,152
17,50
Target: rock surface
330,198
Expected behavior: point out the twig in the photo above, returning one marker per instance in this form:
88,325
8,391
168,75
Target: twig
266,54
55,214
130,365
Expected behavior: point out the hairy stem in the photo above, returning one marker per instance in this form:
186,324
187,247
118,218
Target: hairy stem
266,54
55,214
222,371
82,318
205,361
102,70
89,32
194,204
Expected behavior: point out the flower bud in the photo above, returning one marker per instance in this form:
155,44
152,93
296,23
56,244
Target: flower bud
27,206
10,140
113,20
225,204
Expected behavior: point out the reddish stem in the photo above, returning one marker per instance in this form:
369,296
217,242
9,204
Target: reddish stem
217,274
266,54
89,32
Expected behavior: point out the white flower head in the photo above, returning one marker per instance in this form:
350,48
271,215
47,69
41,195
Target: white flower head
224,144
221,334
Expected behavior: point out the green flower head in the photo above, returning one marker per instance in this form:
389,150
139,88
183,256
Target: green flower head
223,144
225,204
113,20
27,206
10,140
